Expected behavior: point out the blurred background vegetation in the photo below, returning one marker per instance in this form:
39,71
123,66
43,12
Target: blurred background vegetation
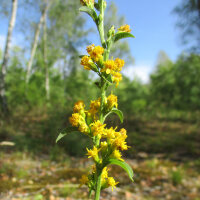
161,116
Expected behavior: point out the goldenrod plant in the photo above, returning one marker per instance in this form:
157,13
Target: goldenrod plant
108,142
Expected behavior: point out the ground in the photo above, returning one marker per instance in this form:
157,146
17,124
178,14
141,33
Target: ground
27,177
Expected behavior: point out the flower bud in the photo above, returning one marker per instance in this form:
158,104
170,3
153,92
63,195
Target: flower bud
111,32
89,3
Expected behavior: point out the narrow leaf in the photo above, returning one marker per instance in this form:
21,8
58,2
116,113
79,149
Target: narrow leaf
123,165
116,111
121,35
60,136
119,113
65,132
90,12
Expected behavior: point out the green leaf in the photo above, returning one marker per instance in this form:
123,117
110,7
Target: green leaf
123,165
90,12
109,78
116,111
121,35
65,132
81,56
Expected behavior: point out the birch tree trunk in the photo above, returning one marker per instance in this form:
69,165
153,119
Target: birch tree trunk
47,87
3,100
35,43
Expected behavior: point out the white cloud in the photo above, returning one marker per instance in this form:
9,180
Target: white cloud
141,71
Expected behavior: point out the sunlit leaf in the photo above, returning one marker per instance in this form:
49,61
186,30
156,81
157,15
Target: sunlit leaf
123,165
122,35
65,132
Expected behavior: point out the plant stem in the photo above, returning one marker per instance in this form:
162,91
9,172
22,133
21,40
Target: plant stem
103,95
98,186
100,25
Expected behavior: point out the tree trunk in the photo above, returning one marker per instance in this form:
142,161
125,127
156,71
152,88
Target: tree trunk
35,43
47,87
3,100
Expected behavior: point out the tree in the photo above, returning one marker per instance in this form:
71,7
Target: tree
188,12
36,39
176,85
4,65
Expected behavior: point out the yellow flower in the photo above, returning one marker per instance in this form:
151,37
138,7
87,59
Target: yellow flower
90,48
123,133
112,183
119,64
86,61
95,52
117,77
125,28
120,143
104,145
110,66
92,153
83,128
95,106
109,133
97,128
76,119
84,180
117,154
78,106
104,173
112,101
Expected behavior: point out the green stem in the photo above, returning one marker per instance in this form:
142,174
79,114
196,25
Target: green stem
98,187
100,25
103,96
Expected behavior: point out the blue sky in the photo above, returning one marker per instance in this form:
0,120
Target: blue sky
153,25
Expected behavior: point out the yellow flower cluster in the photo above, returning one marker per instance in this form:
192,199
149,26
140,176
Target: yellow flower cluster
113,142
95,55
95,52
86,61
112,101
113,67
78,117
97,128
125,28
94,107
105,179
93,153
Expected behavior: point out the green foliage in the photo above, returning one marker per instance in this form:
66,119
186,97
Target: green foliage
176,85
177,176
